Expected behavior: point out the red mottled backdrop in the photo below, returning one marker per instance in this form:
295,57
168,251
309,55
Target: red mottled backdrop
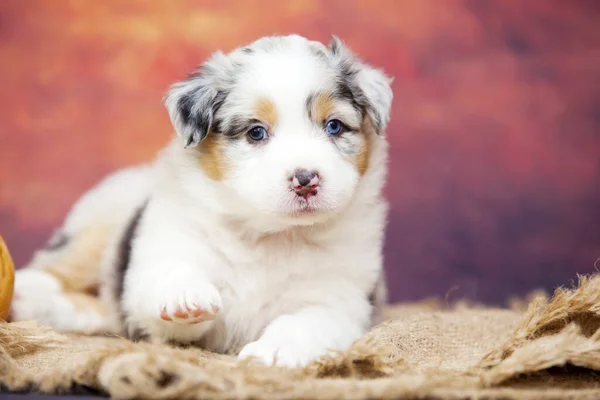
495,158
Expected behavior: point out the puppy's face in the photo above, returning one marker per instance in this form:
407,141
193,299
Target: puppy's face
285,124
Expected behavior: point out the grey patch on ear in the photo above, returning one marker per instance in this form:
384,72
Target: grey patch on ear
336,46
376,86
369,88
191,108
193,103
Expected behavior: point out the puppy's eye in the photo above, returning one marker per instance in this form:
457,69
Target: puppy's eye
334,127
257,133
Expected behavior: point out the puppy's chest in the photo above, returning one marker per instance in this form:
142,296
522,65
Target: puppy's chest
257,285
263,272
259,276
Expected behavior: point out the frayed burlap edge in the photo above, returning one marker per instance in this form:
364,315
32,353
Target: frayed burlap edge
557,332
579,306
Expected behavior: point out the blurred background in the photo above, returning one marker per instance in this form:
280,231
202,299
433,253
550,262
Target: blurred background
495,160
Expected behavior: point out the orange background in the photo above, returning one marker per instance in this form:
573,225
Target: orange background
495,171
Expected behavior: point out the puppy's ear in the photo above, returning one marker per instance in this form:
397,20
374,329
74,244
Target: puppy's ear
370,87
192,103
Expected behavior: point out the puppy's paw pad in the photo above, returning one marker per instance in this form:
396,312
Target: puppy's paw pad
191,314
191,306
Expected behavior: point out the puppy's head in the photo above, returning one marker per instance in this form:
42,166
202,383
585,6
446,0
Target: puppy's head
288,126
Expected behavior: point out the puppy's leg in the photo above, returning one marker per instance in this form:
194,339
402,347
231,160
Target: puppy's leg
58,289
40,296
295,339
58,286
167,290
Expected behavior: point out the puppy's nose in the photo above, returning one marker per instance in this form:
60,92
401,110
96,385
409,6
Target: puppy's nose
305,183
303,178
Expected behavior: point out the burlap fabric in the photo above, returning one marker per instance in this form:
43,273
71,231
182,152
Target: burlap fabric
550,349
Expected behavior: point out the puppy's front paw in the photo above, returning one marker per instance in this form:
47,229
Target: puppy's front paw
273,353
38,296
260,351
190,305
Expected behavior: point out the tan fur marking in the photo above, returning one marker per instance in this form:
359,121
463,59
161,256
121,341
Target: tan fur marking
211,157
79,268
84,303
322,107
361,160
266,111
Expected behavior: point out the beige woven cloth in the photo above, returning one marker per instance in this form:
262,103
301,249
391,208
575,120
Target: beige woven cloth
549,350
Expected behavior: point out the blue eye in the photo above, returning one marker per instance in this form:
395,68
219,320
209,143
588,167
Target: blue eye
334,127
257,133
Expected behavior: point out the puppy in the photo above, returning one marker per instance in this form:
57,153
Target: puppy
261,233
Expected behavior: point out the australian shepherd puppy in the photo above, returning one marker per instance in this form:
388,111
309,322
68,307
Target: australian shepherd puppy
257,231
